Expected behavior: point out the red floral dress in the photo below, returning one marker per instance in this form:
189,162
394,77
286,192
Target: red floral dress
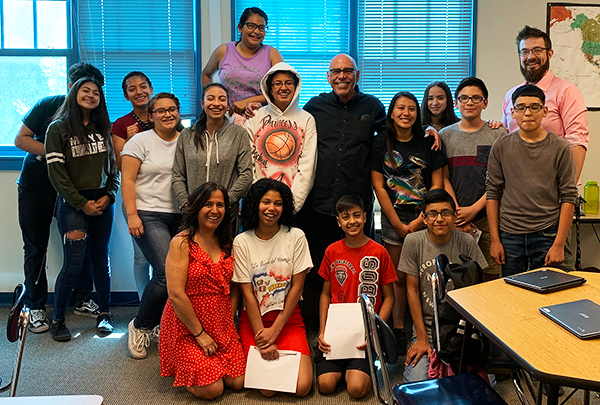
181,356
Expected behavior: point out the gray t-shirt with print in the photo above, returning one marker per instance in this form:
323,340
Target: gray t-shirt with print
418,259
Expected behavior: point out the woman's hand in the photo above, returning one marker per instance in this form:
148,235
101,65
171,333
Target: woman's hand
323,346
249,111
437,144
136,228
239,107
103,202
132,130
402,230
207,344
495,124
270,353
265,337
91,208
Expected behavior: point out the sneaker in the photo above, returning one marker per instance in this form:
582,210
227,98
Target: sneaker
104,324
87,308
38,322
60,332
400,341
137,341
155,334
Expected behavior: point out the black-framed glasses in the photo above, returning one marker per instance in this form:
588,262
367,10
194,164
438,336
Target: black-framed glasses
537,51
534,108
251,26
476,99
346,71
162,111
433,214
278,84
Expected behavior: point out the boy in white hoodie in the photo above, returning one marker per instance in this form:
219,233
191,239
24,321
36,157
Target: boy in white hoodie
283,137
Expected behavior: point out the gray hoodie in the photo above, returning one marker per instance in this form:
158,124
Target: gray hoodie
226,160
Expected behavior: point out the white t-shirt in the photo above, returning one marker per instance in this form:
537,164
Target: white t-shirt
270,264
153,191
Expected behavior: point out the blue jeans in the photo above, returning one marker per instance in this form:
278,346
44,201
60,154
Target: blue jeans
36,209
159,228
420,372
91,249
141,266
526,251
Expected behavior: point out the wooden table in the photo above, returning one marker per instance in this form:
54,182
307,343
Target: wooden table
510,317
54,400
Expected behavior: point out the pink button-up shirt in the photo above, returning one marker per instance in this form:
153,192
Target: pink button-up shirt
566,110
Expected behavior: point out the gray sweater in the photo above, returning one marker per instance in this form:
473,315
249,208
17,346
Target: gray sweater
226,160
531,180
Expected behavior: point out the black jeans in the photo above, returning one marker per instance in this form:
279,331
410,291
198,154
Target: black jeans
36,209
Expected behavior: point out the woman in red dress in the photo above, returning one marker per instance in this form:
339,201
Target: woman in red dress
199,345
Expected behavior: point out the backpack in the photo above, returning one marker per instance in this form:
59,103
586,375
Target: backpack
451,323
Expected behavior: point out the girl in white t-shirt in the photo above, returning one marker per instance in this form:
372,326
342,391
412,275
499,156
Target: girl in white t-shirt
271,261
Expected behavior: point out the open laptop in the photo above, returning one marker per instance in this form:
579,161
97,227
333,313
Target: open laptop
581,318
545,280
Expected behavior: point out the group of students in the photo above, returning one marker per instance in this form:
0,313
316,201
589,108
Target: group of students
182,189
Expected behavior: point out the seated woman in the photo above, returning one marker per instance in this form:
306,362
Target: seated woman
151,209
272,252
199,345
282,135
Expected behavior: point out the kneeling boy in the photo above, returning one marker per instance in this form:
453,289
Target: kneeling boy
351,266
417,260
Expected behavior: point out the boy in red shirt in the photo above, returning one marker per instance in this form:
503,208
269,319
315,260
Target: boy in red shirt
350,267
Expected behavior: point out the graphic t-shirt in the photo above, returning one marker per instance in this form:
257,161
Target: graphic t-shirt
353,271
270,264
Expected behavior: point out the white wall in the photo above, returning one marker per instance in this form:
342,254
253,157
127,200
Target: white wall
497,64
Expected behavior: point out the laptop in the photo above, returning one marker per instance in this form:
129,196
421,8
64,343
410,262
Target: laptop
545,280
581,318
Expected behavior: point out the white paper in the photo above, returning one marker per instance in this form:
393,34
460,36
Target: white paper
275,375
344,331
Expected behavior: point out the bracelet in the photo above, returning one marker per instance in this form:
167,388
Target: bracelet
198,333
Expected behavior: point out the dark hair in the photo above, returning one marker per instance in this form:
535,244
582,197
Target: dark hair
390,133
347,202
200,126
82,69
270,81
196,200
437,195
70,113
159,96
256,193
528,90
248,12
449,116
531,32
133,74
471,81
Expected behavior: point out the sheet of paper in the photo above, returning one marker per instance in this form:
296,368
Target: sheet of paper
344,331
276,375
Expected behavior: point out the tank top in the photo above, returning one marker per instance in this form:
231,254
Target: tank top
241,76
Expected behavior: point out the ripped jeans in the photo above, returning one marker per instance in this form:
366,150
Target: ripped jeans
526,251
93,247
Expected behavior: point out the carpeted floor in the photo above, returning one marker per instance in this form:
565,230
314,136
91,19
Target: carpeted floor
102,366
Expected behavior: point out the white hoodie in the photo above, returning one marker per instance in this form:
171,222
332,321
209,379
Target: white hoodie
284,143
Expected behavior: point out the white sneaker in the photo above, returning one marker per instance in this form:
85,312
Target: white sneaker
38,322
155,334
137,341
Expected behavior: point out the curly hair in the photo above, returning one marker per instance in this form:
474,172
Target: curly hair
199,197
255,194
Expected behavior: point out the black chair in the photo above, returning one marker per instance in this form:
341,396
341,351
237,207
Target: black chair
16,329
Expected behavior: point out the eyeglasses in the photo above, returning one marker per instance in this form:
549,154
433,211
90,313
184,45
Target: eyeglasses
537,51
475,99
337,72
251,26
444,213
534,108
287,84
162,111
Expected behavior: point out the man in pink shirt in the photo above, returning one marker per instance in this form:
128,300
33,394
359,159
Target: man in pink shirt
567,116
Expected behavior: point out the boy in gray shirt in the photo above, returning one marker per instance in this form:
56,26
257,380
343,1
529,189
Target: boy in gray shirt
417,260
531,190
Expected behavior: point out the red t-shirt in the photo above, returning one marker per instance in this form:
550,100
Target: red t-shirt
353,271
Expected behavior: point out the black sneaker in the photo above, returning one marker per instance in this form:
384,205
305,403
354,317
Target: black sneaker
87,308
104,324
60,332
400,341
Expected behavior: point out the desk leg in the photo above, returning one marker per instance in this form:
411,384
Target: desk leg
552,394
462,368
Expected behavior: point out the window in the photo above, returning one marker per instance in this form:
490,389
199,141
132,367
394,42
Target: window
35,50
398,45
